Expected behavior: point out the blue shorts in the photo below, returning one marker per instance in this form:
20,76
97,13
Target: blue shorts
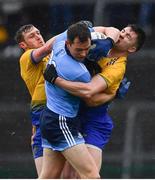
36,142
59,132
96,126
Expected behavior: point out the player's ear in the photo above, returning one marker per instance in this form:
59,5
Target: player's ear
22,45
68,43
132,49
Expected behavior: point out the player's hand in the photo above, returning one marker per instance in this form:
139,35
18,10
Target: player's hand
50,73
123,88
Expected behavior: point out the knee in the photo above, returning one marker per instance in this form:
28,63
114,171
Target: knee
70,175
50,175
94,175
91,174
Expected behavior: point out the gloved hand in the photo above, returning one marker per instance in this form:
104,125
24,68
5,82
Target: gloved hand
50,73
92,66
99,49
123,89
89,24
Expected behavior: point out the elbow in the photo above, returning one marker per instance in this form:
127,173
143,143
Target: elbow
91,103
87,95
82,94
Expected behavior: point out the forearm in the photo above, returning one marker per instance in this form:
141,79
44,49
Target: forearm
76,88
111,32
99,99
85,90
43,51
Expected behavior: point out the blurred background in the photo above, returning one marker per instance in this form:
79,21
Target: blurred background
131,151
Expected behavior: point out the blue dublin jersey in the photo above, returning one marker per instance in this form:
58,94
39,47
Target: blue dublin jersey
59,100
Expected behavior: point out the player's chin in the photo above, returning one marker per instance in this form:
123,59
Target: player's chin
81,58
42,43
118,42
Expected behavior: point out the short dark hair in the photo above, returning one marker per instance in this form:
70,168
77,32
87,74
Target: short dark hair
23,29
140,35
78,30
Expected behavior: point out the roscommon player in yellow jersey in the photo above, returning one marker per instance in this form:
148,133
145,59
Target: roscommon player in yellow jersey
32,64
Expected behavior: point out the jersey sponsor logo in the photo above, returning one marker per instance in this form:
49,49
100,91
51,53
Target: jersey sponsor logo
112,61
61,52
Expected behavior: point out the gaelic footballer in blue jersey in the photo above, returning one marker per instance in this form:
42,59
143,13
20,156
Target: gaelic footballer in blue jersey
61,138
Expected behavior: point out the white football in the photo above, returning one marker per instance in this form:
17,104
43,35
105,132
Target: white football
98,35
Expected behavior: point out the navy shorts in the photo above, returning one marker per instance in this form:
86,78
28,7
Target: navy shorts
36,141
96,127
59,132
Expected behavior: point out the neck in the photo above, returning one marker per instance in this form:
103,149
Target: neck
116,53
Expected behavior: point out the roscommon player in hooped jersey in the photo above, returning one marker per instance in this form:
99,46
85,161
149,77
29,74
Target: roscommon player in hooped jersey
32,64
96,123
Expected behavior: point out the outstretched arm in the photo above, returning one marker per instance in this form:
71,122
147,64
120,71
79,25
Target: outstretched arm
102,97
43,51
92,92
98,99
111,32
84,90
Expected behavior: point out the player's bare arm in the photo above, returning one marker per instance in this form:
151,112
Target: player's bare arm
85,90
111,32
99,99
43,51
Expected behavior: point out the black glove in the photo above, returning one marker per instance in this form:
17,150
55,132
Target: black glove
89,24
92,66
50,73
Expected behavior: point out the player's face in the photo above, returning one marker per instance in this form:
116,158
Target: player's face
79,50
33,39
127,40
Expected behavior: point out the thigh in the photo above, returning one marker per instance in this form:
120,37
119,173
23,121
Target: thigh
53,163
79,157
96,153
38,163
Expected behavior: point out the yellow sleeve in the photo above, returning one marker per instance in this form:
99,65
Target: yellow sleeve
113,74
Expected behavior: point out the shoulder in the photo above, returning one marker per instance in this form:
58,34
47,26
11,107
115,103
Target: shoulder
114,61
113,67
26,55
26,60
59,49
122,59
